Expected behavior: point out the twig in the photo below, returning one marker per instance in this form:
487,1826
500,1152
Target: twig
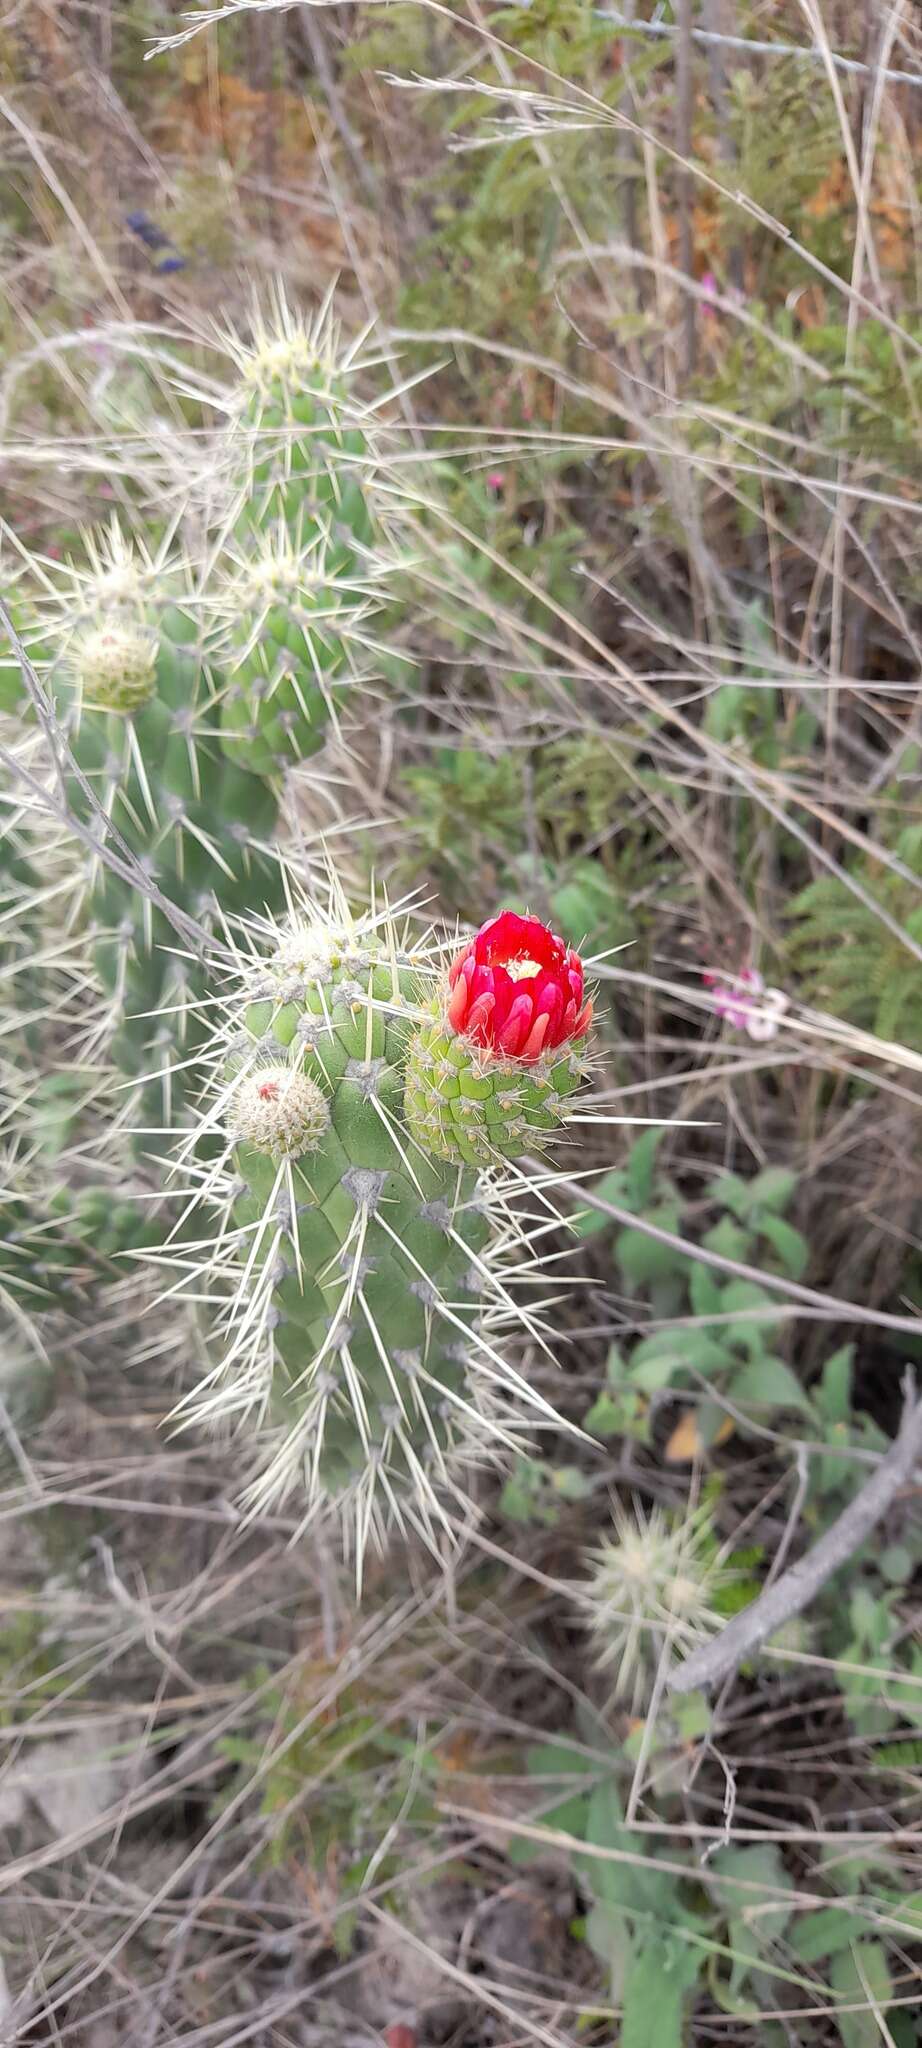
796,1588
685,90
849,1311
312,32
751,47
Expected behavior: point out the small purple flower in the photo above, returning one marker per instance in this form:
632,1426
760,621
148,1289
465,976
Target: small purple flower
710,288
743,1001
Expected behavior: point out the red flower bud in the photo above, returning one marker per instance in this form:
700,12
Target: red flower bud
517,989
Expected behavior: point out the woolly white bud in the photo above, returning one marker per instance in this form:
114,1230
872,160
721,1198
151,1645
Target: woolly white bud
115,665
279,1111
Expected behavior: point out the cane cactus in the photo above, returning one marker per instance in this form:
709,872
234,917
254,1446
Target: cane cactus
301,566
368,1271
187,694
135,698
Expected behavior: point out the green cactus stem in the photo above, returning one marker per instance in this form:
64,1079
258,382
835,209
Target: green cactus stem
300,573
369,1272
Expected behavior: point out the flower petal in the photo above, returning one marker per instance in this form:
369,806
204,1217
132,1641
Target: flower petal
511,1034
531,1050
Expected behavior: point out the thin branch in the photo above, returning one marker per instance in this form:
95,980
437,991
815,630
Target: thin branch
750,47
685,94
796,1588
849,1311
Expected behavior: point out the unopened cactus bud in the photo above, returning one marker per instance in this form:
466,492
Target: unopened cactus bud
489,1077
279,1111
114,665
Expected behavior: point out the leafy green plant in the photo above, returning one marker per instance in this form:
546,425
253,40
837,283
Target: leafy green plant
537,1491
668,1930
851,962
723,1333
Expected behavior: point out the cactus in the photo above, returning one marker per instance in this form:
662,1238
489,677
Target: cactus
363,1107
661,1585
186,695
300,566
298,447
367,1273
133,691
294,643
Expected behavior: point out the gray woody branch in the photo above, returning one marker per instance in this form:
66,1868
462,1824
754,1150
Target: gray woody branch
796,1588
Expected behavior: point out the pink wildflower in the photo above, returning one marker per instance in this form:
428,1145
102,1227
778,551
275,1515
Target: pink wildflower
743,1001
710,289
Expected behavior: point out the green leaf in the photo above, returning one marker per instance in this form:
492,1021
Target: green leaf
755,1313
609,1936
668,1355
606,1417
861,1975
570,1482
653,2000
615,1367
751,1935
605,1827
693,1716
560,1760
773,1188
897,1564
704,1290
728,1240
823,1933
769,1383
792,1248
833,1397
642,1258
611,1188
641,1168
728,1191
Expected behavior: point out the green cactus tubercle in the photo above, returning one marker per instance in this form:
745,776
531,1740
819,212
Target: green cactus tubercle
466,1104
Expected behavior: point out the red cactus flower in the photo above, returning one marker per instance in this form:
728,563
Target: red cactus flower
517,989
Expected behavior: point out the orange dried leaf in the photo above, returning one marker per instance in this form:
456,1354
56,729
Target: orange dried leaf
686,1444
